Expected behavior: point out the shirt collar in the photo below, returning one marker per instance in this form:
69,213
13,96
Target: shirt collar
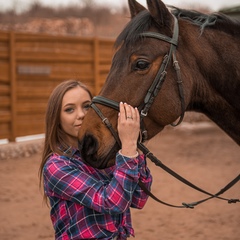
68,150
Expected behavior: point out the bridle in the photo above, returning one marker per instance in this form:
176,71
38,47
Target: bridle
143,110
157,82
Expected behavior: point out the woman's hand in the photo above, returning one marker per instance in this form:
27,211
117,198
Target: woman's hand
128,129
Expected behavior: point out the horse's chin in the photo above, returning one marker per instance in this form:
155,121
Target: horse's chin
105,163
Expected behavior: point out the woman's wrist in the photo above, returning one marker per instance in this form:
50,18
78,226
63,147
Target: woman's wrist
128,155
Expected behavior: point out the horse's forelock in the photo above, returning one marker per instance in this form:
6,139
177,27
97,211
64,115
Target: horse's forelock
136,26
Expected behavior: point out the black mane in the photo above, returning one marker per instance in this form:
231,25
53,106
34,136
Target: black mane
143,21
217,21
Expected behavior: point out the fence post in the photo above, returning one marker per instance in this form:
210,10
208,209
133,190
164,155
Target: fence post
96,66
13,86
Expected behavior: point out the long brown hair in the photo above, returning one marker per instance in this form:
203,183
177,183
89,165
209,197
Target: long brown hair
54,135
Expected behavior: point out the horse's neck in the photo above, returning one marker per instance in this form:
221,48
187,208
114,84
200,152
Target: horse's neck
217,108
218,86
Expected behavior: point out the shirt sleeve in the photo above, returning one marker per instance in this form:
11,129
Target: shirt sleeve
64,180
139,196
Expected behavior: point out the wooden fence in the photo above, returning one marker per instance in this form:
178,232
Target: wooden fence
31,65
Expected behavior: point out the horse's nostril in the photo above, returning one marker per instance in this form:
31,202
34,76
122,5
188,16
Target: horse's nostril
88,148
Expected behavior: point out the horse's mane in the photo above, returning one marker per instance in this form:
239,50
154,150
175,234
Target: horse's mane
217,21
143,21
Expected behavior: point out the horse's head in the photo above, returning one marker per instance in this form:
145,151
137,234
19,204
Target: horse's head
142,74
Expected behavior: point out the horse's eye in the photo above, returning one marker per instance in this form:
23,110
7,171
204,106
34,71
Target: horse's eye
142,65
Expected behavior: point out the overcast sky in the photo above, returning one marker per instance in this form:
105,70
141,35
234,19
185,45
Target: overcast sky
214,5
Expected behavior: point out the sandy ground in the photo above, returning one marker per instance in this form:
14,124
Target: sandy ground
204,155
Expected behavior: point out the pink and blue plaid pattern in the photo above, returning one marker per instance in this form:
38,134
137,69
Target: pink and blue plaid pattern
89,203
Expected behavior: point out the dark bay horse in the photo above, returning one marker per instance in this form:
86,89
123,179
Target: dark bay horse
167,61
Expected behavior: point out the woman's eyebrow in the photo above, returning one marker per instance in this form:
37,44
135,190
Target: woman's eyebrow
68,104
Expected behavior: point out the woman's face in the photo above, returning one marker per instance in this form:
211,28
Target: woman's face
75,104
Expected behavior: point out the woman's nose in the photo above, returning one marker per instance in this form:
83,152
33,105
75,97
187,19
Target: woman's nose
80,113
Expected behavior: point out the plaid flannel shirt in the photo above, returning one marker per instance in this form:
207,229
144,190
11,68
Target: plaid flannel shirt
89,203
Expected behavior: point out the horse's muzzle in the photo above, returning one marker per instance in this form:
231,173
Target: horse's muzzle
88,147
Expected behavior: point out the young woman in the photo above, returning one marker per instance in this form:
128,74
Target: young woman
89,203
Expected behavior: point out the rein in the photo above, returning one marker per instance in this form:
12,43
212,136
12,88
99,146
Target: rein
144,108
115,105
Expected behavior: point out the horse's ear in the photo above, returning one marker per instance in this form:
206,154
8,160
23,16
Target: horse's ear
135,7
159,12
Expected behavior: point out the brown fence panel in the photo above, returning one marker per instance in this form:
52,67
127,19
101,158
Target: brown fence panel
5,86
31,65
